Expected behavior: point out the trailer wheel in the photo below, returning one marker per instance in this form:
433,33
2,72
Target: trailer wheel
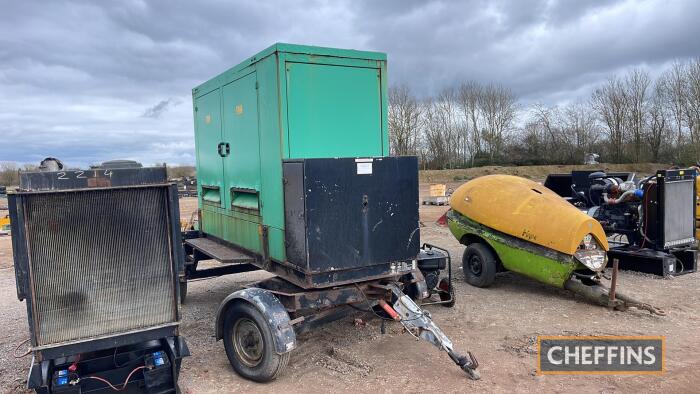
479,265
249,344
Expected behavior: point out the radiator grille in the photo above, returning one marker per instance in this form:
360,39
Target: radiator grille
100,262
679,212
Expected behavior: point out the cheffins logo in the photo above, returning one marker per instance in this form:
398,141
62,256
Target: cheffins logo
600,355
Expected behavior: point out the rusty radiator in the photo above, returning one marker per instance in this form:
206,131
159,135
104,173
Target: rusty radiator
95,263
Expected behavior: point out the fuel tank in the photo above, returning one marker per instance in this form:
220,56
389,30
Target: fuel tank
527,210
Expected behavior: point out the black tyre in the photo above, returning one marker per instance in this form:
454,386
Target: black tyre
479,265
249,344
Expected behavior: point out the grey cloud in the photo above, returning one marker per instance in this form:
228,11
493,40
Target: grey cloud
157,110
79,79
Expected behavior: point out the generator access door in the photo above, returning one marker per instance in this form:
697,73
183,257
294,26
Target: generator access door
242,160
210,171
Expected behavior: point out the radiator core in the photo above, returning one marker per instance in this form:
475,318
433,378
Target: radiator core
679,213
100,262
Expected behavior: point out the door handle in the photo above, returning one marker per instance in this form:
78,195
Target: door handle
224,148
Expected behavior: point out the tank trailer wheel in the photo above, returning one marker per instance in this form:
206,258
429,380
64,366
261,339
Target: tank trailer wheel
249,344
479,265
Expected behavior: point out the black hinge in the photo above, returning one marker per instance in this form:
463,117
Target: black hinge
256,84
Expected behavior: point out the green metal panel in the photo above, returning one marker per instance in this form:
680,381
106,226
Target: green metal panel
223,225
341,56
271,144
336,105
210,174
333,111
242,165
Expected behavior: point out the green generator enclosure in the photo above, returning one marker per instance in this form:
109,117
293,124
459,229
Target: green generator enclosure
287,102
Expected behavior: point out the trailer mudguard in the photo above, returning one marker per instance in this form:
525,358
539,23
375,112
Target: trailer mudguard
273,310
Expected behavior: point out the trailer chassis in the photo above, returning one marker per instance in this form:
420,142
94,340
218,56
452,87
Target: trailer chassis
259,323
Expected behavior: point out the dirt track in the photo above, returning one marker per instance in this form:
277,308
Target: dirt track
498,324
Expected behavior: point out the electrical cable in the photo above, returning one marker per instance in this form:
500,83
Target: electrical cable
114,359
29,350
368,305
382,317
126,382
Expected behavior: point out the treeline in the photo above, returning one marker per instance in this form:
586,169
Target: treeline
9,172
629,118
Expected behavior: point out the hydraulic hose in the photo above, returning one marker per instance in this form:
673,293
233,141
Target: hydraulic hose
618,200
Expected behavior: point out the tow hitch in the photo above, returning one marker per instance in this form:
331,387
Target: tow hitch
420,324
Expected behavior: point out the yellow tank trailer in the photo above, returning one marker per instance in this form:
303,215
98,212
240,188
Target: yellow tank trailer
514,224
4,222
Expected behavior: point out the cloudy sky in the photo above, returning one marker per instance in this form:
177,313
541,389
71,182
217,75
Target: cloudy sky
87,81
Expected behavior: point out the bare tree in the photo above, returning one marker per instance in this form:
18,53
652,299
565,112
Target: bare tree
404,121
633,117
498,106
445,116
609,102
567,132
468,98
673,83
580,130
657,127
636,94
435,142
692,104
547,120
533,139
181,171
9,174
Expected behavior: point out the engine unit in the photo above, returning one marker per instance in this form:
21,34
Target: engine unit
656,215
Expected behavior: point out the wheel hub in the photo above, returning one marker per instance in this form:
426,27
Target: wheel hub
248,342
475,265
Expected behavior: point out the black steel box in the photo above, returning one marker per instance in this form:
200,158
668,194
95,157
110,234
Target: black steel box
351,216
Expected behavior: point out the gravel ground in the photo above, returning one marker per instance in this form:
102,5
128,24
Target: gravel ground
499,325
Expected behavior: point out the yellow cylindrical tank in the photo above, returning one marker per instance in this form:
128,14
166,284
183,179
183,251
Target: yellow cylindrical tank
527,210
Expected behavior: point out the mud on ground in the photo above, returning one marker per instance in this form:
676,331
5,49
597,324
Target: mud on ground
499,325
